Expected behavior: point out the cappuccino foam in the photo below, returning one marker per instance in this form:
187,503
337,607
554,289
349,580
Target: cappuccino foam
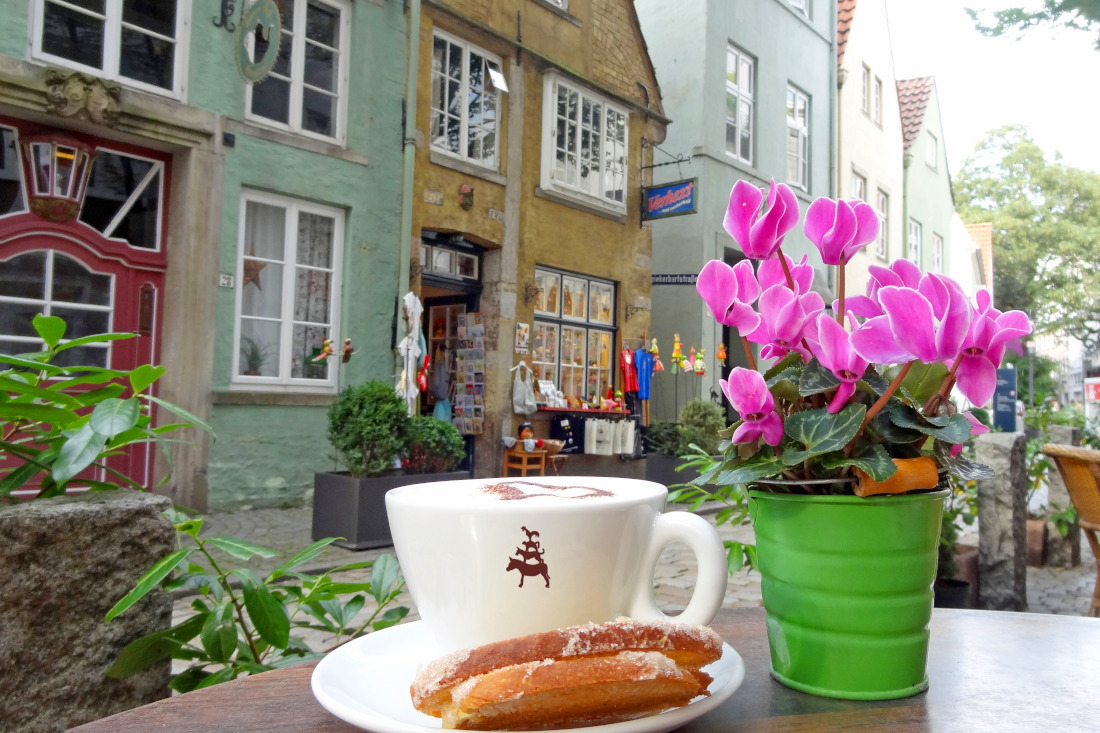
533,491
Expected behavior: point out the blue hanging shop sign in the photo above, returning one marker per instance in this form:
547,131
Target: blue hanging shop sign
669,199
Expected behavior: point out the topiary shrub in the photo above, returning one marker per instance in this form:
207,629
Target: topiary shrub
368,426
699,422
434,446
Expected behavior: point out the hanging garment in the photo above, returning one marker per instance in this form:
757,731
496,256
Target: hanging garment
411,347
442,410
523,391
643,364
630,374
440,378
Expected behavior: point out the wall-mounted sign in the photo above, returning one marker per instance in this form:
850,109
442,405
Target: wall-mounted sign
261,19
433,197
662,279
496,215
669,199
1004,401
1092,389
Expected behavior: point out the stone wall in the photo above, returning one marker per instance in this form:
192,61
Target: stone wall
1002,516
63,564
1063,552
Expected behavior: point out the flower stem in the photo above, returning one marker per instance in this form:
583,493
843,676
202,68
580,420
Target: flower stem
840,291
786,269
945,389
748,353
881,402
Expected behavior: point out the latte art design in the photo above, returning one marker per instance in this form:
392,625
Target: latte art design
516,490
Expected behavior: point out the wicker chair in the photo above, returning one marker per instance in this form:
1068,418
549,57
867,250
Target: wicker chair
1080,469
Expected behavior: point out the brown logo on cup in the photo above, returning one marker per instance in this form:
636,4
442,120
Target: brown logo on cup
529,562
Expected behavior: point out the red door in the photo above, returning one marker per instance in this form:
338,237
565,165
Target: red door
101,272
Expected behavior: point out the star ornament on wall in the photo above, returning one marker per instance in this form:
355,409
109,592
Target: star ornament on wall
252,270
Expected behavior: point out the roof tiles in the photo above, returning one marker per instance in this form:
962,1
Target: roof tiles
845,10
913,97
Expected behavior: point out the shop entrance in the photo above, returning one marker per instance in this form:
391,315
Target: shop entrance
450,288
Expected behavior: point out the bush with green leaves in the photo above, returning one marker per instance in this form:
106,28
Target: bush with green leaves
960,507
699,423
434,446
243,623
662,438
56,421
368,426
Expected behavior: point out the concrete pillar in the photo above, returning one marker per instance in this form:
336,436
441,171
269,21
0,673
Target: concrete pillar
1062,551
1002,516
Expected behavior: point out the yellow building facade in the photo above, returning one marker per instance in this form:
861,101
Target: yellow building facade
533,126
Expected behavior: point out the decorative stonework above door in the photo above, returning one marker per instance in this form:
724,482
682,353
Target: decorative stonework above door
73,94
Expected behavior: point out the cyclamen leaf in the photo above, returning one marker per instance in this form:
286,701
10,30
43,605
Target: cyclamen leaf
867,456
821,432
923,380
957,429
790,374
876,381
891,433
816,379
790,359
960,466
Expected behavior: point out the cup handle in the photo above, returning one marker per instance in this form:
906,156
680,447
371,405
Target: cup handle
710,582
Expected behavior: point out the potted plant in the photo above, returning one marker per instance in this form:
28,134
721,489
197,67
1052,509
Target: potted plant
667,443
382,448
841,442
254,354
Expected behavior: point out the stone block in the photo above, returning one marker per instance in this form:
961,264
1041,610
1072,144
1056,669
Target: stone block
1064,552
1002,517
64,563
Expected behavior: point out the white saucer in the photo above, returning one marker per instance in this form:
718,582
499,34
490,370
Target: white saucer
366,683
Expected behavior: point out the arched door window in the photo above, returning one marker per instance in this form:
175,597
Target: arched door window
53,283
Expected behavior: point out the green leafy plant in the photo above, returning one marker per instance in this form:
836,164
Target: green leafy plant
56,421
254,354
699,422
235,631
368,426
434,446
960,507
662,438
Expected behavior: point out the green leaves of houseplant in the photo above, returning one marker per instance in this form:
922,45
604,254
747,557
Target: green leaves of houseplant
244,623
56,422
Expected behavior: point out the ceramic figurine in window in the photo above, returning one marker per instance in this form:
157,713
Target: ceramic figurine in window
348,351
721,355
327,350
701,362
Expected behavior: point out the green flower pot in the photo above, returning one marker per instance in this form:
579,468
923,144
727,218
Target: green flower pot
847,586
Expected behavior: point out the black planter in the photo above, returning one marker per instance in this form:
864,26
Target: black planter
355,508
662,469
951,593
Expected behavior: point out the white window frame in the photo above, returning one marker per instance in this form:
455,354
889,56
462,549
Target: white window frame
937,253
551,82
464,93
858,186
744,93
876,101
109,230
931,151
882,210
801,6
112,46
865,89
913,243
285,382
297,76
803,158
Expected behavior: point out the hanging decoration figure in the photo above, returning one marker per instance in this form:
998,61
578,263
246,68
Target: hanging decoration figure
721,355
657,365
327,350
701,362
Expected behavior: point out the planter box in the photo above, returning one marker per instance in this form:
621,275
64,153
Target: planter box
355,508
662,469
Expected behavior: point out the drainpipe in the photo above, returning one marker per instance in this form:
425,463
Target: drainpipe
409,160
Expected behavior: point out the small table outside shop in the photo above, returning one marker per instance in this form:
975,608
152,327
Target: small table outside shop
989,670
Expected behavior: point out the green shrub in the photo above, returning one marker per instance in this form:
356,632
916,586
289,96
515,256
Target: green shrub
663,439
434,446
368,426
699,423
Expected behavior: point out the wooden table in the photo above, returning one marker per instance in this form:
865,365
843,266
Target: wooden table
989,670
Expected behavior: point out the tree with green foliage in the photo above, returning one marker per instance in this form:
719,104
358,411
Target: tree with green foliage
1079,14
1046,231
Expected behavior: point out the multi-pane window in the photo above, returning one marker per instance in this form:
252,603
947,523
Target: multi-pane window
913,250
798,138
464,101
585,143
288,286
739,104
54,284
125,198
876,101
882,209
307,88
937,253
11,180
573,332
865,89
137,42
859,187
931,150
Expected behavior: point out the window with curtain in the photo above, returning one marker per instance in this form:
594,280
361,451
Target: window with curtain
306,91
137,42
915,235
585,140
287,292
739,104
798,139
464,102
573,332
882,209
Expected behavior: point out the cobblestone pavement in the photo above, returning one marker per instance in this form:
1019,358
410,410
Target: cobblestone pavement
1049,590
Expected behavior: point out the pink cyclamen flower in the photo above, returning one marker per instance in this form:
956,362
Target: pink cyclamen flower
759,236
729,292
976,428
927,324
984,347
839,229
749,395
770,272
836,354
784,317
901,273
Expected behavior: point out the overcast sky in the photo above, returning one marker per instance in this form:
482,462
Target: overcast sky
1049,81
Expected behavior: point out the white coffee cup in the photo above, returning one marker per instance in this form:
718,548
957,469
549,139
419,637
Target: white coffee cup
491,559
